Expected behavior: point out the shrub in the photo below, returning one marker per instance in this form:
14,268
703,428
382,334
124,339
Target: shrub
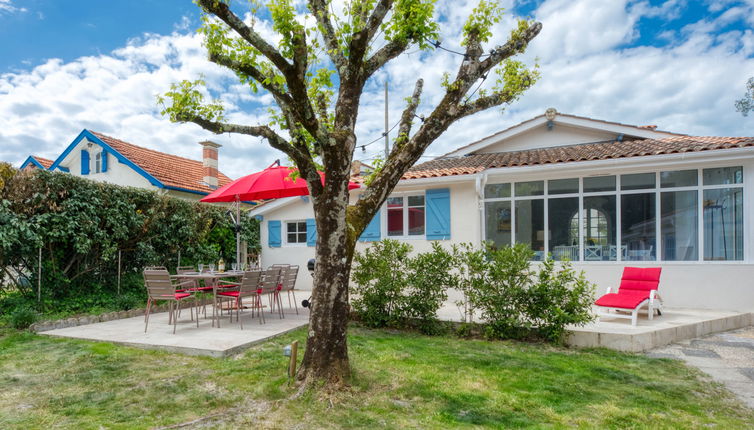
518,301
426,289
393,289
80,225
21,318
379,276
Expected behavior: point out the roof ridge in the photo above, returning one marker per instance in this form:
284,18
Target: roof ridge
562,114
101,135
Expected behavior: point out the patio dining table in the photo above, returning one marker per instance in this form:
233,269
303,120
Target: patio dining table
211,279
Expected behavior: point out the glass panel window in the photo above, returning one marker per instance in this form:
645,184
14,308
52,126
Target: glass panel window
637,181
530,225
531,188
638,227
492,191
98,163
678,225
563,186
723,224
497,222
599,221
723,176
295,232
415,215
395,216
563,217
599,183
679,178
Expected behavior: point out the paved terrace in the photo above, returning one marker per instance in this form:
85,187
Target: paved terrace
188,339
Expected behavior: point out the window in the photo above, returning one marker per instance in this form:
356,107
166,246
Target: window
492,191
564,232
679,225
723,224
677,215
638,227
679,178
497,218
295,232
530,225
98,162
405,216
599,221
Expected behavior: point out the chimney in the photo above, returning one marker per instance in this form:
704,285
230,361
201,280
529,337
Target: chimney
209,162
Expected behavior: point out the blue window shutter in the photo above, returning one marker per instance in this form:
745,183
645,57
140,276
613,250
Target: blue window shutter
84,162
438,214
104,161
372,232
311,232
273,234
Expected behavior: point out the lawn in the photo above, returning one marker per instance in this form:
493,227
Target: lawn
400,381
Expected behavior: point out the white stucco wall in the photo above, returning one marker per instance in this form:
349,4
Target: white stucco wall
117,173
697,284
542,137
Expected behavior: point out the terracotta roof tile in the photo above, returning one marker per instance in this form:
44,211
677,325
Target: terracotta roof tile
171,170
43,161
476,163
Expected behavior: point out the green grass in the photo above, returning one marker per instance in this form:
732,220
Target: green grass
400,381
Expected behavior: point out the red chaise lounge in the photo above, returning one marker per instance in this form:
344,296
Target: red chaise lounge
638,287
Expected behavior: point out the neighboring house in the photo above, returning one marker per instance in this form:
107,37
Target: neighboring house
102,158
602,194
35,162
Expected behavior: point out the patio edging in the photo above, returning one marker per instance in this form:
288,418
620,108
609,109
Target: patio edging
48,325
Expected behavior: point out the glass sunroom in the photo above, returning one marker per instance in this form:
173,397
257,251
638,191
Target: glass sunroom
683,214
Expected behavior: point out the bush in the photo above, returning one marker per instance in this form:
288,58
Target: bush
516,299
81,225
393,289
22,318
380,276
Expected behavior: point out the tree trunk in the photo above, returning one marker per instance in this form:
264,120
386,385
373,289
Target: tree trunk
326,357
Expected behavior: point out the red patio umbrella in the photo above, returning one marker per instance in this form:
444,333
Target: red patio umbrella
273,182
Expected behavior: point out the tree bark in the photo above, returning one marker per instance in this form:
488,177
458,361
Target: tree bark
326,356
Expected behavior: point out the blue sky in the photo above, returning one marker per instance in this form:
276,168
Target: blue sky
99,65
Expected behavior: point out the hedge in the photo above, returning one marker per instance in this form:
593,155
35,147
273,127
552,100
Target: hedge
80,225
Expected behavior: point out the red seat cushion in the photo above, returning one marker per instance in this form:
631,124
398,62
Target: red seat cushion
626,299
180,296
229,293
640,278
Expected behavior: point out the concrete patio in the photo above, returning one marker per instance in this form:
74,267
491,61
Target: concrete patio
188,339
674,325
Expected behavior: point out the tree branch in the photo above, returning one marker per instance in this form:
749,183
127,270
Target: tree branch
274,139
265,81
222,11
322,15
360,40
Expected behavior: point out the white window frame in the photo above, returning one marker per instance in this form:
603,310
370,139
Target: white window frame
98,162
405,235
285,233
657,190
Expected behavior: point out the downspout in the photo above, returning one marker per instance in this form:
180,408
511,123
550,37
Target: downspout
481,181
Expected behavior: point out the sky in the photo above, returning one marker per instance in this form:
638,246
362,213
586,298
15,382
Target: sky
99,65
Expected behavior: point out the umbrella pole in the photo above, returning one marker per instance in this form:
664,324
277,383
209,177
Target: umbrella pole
238,231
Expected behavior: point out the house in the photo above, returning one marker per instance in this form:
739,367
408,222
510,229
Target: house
103,158
36,162
601,194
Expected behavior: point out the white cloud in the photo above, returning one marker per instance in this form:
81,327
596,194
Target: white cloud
688,86
6,6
